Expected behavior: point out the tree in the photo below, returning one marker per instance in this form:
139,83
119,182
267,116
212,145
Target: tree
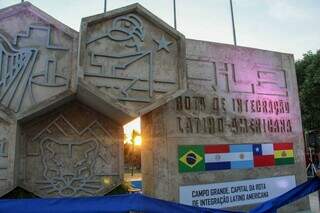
308,76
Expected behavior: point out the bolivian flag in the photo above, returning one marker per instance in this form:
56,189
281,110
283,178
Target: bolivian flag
191,158
283,153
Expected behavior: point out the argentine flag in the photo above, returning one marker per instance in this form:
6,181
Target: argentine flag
243,156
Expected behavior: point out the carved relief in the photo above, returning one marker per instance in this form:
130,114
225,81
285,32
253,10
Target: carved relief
228,78
36,59
16,70
132,35
130,59
4,159
271,80
7,143
69,172
3,148
72,162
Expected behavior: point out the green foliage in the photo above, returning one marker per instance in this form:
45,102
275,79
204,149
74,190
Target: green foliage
132,156
308,76
18,193
121,189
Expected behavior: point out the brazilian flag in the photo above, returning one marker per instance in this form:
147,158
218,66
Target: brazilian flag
191,158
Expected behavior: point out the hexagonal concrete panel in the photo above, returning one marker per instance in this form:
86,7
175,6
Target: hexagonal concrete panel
133,57
38,57
72,151
8,132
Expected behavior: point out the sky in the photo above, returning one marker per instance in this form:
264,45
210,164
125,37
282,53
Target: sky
291,26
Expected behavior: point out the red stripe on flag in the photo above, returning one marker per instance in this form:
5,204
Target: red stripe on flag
282,146
263,160
216,149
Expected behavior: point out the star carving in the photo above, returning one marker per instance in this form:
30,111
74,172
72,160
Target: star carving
163,43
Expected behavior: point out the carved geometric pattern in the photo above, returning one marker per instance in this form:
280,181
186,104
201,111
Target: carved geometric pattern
5,167
73,162
3,148
17,69
271,80
261,79
3,159
128,31
48,78
31,28
7,143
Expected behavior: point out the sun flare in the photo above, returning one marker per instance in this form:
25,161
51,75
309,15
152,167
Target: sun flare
129,129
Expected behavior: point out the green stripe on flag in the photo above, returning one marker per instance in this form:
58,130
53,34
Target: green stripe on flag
191,158
284,161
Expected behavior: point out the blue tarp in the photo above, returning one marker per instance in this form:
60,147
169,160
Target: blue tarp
294,194
116,204
139,203
137,184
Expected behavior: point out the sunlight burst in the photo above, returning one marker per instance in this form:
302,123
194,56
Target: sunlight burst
129,128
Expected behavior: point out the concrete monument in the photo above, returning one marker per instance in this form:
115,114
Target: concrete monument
133,58
52,143
238,120
69,154
221,124
8,128
38,57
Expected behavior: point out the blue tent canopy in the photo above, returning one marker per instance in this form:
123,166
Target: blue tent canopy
139,203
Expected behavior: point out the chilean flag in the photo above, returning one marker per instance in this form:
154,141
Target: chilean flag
263,155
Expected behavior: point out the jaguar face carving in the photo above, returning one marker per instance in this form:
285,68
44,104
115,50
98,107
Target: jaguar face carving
69,167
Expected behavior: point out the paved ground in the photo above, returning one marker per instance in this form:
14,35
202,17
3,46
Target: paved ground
129,177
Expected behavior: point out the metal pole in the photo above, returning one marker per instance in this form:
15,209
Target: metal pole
233,27
174,14
105,6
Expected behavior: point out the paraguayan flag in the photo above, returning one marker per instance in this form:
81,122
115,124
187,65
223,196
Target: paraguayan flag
220,157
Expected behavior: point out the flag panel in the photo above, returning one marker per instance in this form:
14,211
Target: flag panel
283,154
216,148
226,157
217,166
248,164
257,149
243,156
282,146
267,149
191,158
284,161
263,160
241,148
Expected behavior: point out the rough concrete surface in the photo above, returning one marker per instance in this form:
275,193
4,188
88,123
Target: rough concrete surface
221,80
